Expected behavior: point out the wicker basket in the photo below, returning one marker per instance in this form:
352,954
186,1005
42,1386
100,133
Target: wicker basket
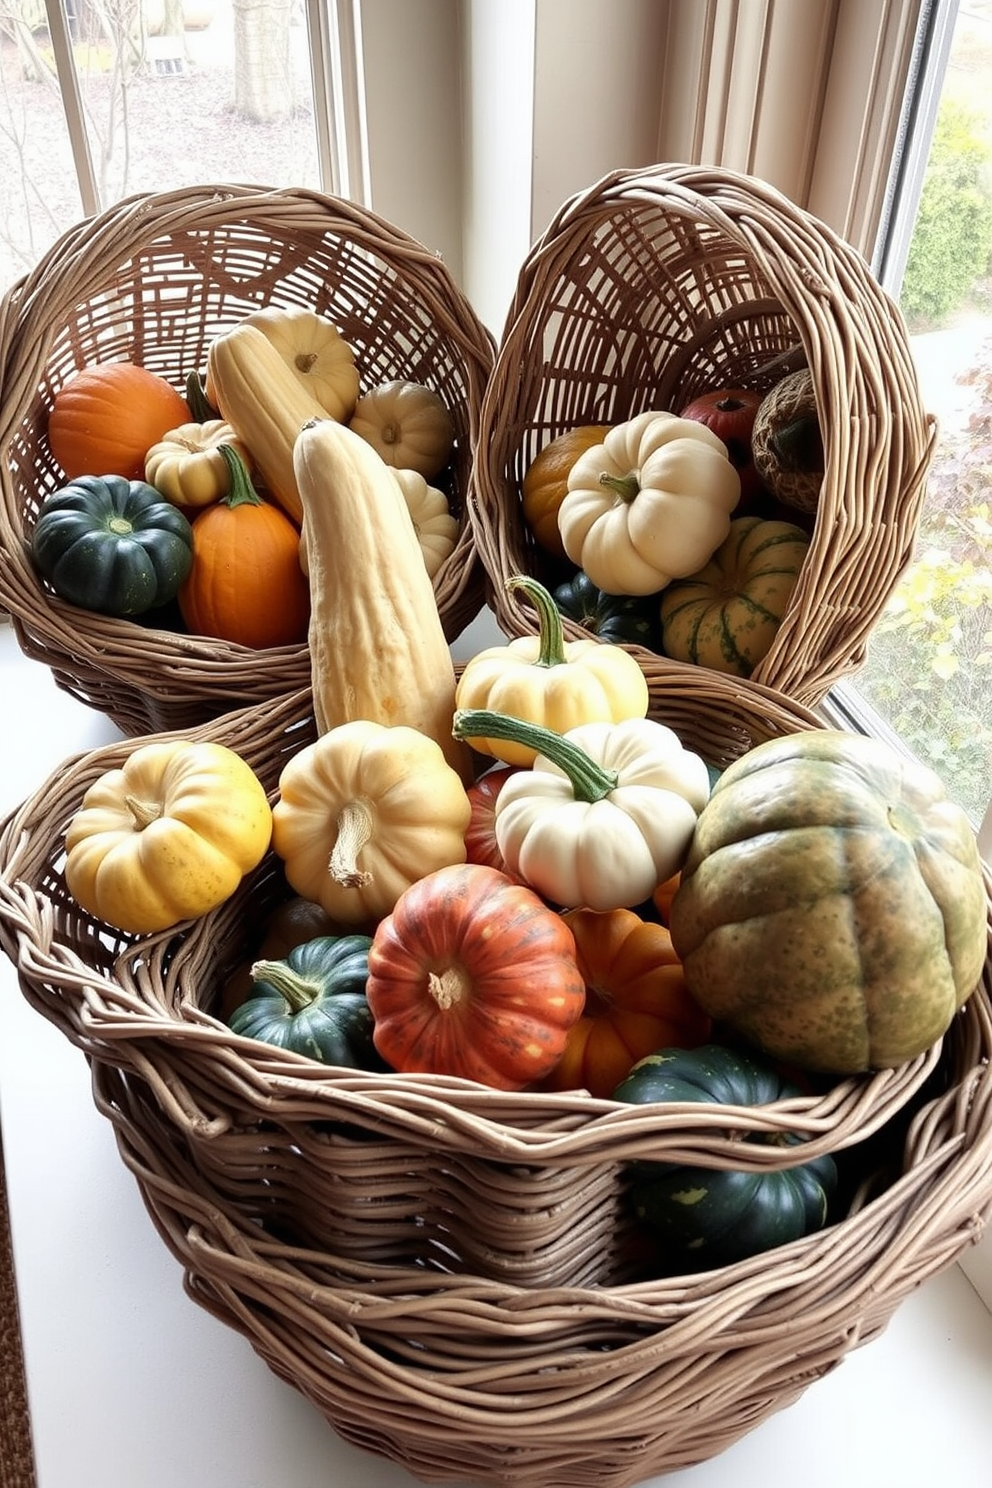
152,280
653,287
450,1272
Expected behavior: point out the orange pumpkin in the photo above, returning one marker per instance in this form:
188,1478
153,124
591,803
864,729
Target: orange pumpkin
636,1001
106,418
546,481
475,976
246,584
663,896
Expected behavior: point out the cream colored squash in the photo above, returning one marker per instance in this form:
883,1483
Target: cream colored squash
377,647
256,392
316,353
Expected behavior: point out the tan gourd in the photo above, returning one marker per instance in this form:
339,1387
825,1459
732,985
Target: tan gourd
264,402
377,647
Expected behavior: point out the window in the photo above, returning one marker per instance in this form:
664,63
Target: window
105,98
928,676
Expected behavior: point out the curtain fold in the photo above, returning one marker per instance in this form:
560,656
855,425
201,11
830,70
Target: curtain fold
806,94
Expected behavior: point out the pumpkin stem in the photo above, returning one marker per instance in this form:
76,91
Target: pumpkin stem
552,637
143,813
242,491
626,487
201,411
589,780
298,992
354,824
448,987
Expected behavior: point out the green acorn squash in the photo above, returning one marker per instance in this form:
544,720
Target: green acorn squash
112,545
313,1002
621,619
703,1217
832,907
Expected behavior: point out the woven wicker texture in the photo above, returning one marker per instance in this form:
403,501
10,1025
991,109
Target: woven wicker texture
449,1272
653,287
152,280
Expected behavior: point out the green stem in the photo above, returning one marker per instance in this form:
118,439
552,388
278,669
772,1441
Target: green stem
589,780
298,992
625,486
201,411
242,492
552,637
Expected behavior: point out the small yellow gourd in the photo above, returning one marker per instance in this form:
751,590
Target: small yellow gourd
167,836
377,647
256,392
362,813
547,680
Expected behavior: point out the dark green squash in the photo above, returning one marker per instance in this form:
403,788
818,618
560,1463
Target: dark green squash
621,619
704,1217
313,1002
112,545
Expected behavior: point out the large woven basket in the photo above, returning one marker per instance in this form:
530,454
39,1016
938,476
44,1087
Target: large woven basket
655,286
152,280
448,1272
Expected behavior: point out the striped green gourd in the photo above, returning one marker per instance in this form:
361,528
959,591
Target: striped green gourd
726,615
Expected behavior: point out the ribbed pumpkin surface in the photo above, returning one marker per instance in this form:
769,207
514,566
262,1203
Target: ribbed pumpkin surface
726,615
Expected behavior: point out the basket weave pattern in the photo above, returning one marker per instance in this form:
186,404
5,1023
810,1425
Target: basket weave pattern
654,287
449,1272
153,280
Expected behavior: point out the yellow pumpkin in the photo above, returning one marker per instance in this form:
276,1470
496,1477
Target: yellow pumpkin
547,680
727,615
167,836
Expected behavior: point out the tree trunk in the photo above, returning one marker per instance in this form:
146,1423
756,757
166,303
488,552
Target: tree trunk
263,83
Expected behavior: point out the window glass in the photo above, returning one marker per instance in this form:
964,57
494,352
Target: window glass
929,671
173,92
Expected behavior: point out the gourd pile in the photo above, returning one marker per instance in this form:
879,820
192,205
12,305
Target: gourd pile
516,877
184,511
683,533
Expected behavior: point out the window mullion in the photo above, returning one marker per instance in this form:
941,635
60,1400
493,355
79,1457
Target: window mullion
339,97
72,103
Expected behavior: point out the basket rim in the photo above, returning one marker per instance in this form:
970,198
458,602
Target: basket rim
112,1014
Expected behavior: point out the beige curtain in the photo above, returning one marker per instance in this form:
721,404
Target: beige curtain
807,94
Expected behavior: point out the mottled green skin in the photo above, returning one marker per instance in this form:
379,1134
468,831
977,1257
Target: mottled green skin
113,546
328,1017
832,907
705,1217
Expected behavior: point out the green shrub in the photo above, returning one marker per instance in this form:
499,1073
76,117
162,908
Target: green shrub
952,240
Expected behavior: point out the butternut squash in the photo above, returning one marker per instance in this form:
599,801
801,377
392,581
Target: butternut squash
255,390
377,647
